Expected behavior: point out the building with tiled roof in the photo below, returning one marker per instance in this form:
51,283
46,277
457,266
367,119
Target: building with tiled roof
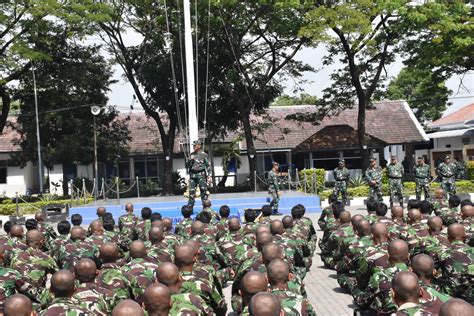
392,129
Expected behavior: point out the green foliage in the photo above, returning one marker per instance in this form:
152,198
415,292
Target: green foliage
359,191
470,170
302,99
149,188
310,174
77,182
357,181
31,208
425,92
465,186
384,176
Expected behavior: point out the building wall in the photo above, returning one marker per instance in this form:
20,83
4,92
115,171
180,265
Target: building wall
56,176
451,142
18,179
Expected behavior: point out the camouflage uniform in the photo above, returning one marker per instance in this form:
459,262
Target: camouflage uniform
412,309
205,290
447,174
377,294
273,190
431,299
112,278
64,306
460,169
375,190
449,216
48,232
374,259
233,248
126,224
34,266
98,300
395,174
222,228
56,244
457,271
422,181
159,252
8,277
341,176
141,229
433,245
413,235
140,275
183,228
187,304
326,215
199,169
293,304
335,237
74,251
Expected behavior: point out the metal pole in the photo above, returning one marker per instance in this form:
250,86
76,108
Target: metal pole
103,190
17,206
314,181
38,138
118,190
84,189
71,190
255,181
96,168
289,179
305,179
190,76
297,179
138,187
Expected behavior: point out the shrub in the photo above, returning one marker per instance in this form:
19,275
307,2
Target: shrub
470,170
320,175
361,191
464,186
31,208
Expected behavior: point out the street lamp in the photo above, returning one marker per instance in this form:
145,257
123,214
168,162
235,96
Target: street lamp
40,164
95,110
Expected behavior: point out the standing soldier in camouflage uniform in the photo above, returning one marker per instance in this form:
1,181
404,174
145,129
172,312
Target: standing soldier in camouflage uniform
395,174
422,179
460,169
374,177
447,173
274,187
199,171
62,287
341,176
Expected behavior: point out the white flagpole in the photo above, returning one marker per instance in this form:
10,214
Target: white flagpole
190,76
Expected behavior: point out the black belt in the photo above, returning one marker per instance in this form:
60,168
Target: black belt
394,177
421,177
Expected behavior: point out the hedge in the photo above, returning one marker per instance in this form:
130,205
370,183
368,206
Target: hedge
470,170
462,186
320,176
31,208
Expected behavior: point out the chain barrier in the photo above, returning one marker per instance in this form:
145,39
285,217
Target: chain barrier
121,192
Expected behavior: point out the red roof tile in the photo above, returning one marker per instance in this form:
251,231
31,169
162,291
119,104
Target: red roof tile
458,117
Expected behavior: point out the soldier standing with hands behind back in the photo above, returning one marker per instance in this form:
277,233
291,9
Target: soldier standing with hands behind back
422,179
341,176
274,188
395,173
374,177
447,174
199,171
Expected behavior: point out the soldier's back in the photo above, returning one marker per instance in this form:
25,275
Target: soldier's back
187,304
8,278
293,304
66,307
98,300
111,277
140,275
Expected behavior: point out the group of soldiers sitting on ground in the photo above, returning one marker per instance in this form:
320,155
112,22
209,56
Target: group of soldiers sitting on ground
406,264
145,266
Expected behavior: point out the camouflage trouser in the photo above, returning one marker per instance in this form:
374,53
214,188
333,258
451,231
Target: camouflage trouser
346,281
422,185
341,187
275,199
375,192
197,179
449,186
395,189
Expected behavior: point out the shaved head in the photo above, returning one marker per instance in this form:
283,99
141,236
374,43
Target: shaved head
414,215
252,283
278,272
197,228
456,307
345,217
39,216
62,283
264,304
406,288
155,234
34,238
270,252
96,227
184,255
397,212
127,308
109,252
85,270
129,207
435,224
262,229
356,219
276,227
137,249
467,211
78,233
234,224
157,299
423,266
167,223
363,228
263,239
439,193
16,231
379,232
398,251
456,232
168,274
17,305
101,211
287,221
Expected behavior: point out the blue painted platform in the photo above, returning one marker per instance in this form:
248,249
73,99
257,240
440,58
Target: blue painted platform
171,206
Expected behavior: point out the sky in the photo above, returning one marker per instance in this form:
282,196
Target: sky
121,93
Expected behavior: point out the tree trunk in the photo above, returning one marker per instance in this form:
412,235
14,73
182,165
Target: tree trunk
364,151
211,160
6,100
251,153
168,174
65,181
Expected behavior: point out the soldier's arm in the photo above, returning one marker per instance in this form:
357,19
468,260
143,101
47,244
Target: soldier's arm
208,166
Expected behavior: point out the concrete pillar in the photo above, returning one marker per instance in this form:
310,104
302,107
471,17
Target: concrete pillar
311,165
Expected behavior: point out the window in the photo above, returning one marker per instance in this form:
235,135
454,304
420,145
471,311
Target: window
3,171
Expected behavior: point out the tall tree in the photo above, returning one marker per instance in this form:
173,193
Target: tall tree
25,25
302,99
262,39
425,92
72,79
